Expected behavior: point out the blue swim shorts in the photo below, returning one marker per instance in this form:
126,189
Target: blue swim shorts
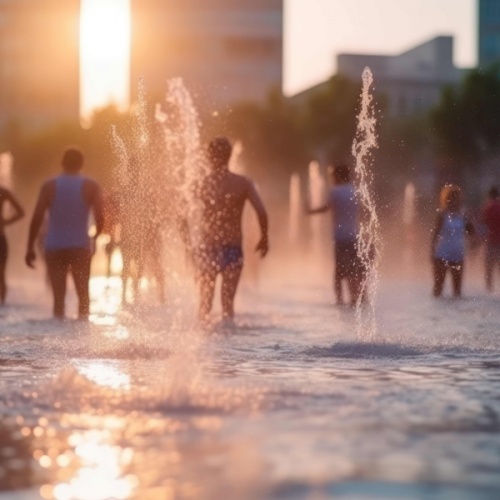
219,258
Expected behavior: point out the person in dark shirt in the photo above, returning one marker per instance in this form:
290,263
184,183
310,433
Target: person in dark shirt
491,219
223,196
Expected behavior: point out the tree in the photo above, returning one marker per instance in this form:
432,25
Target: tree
466,121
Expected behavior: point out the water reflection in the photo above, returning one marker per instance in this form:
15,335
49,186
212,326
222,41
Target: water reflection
104,374
101,470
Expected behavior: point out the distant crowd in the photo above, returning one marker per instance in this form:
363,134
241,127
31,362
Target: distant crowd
65,203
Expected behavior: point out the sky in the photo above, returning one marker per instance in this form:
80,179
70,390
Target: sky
317,30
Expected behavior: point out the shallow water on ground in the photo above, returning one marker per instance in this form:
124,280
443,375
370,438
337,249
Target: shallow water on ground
289,404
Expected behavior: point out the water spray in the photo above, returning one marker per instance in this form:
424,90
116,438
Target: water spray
369,241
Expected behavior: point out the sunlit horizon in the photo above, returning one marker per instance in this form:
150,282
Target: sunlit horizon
105,29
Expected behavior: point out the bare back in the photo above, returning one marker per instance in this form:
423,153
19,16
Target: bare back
223,197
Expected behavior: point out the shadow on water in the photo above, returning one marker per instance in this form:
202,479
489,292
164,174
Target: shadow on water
382,490
360,350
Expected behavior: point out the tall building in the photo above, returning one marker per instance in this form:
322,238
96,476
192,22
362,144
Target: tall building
411,81
225,50
39,73
489,32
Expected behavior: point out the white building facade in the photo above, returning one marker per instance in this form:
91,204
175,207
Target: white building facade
412,81
227,51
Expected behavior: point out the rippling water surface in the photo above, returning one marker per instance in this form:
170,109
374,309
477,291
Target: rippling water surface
290,404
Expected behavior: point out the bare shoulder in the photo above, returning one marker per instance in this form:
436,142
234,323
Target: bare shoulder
240,182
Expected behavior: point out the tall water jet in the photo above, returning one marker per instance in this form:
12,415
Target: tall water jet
184,162
6,164
294,210
316,198
138,198
369,240
409,213
236,164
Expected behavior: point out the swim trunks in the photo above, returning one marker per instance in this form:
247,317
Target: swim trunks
219,258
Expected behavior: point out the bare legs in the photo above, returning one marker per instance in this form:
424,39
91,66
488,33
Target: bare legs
492,262
59,262
230,280
440,268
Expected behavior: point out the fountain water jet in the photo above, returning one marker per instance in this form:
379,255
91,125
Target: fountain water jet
6,163
294,210
409,213
317,188
369,240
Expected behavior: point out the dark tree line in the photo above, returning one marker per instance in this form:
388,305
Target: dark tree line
282,135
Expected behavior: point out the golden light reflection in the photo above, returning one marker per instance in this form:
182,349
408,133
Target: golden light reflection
105,375
106,299
105,27
116,265
100,475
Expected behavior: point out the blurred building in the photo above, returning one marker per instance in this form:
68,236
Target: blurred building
412,81
489,32
39,74
225,50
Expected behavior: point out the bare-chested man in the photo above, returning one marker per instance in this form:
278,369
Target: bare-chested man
223,196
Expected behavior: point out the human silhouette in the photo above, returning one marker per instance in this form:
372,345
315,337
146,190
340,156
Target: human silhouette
491,219
223,195
68,199
448,240
342,202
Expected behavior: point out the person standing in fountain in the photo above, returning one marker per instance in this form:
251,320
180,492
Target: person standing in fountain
342,202
6,197
223,195
68,198
448,240
491,219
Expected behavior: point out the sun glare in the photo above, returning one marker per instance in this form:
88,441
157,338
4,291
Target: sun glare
104,55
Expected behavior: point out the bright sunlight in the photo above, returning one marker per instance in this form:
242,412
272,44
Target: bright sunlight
104,55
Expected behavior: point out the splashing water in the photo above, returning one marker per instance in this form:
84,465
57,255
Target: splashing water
236,163
6,162
294,210
184,161
369,240
316,196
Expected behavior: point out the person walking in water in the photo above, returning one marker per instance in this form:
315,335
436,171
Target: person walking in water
223,195
342,202
6,198
448,240
68,198
491,219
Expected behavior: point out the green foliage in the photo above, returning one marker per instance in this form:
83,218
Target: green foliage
466,121
38,154
271,134
330,117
